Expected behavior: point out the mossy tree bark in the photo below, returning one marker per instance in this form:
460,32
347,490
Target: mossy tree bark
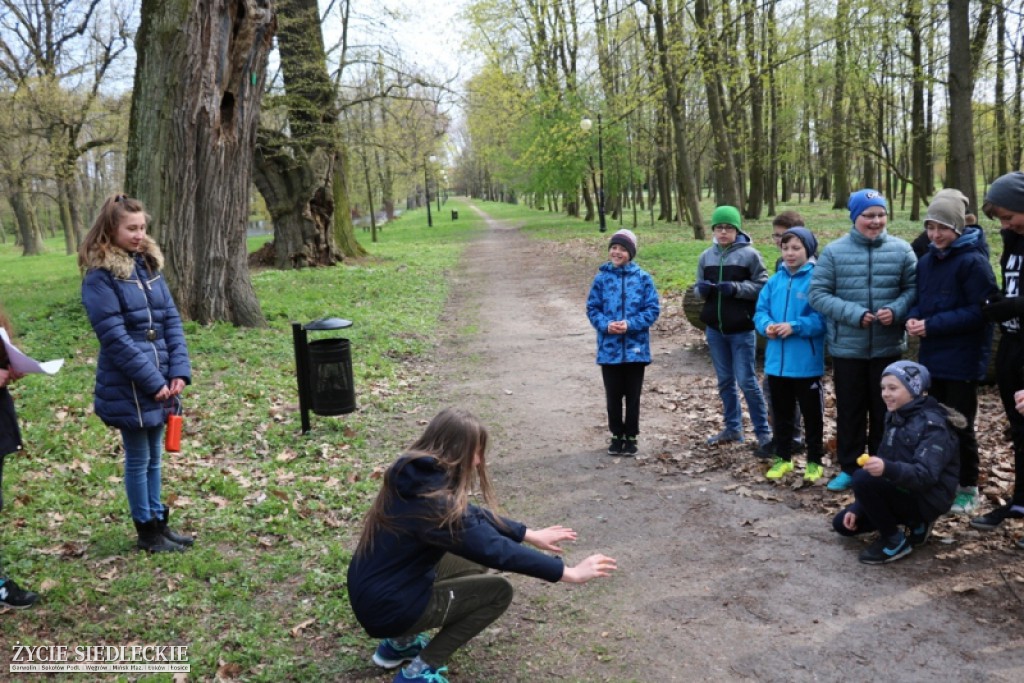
195,110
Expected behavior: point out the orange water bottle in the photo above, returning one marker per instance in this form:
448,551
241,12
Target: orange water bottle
172,434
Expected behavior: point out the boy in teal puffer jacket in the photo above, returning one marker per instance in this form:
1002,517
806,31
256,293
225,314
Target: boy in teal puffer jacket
794,355
622,305
864,284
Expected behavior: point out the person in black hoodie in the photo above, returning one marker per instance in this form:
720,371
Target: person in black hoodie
423,555
1004,202
913,479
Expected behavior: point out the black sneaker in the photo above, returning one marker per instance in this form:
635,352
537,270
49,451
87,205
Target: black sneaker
14,597
765,448
882,551
919,534
615,445
990,521
629,446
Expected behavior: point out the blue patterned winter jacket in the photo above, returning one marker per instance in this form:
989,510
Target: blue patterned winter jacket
625,293
142,344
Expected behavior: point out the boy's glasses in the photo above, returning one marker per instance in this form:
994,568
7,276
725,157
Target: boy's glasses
873,216
723,227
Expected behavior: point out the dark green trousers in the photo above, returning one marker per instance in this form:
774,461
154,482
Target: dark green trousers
465,601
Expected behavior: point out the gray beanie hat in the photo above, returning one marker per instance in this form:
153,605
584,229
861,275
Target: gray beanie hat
914,376
947,210
1007,192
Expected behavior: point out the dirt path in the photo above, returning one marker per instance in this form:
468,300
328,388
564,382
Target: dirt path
719,579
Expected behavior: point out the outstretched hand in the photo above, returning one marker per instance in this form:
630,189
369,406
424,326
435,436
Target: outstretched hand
593,567
548,539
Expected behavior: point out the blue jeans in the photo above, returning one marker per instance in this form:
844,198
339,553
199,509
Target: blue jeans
142,451
733,357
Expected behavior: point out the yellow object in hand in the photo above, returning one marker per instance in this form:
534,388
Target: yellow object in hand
863,460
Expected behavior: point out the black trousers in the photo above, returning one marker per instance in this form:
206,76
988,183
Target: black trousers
1010,377
860,412
786,394
879,505
623,383
962,396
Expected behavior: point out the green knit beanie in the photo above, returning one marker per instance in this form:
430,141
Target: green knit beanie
729,215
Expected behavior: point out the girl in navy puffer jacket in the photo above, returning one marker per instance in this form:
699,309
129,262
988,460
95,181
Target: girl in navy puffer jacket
143,362
622,306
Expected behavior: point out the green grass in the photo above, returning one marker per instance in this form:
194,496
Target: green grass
275,510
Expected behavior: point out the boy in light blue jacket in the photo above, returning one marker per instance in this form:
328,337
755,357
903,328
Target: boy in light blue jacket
622,305
794,355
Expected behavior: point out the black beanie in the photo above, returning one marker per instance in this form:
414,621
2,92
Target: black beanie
1007,192
625,239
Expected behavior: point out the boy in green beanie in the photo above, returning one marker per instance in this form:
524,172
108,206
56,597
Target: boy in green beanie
730,275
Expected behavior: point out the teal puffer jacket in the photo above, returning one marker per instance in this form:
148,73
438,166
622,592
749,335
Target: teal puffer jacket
855,275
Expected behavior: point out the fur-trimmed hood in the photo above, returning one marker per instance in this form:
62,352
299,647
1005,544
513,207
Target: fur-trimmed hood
121,263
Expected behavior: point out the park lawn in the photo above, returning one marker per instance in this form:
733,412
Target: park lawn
262,595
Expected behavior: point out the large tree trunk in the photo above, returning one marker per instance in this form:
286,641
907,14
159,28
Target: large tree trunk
687,192
343,232
25,218
918,130
755,198
293,171
960,172
195,108
840,177
725,169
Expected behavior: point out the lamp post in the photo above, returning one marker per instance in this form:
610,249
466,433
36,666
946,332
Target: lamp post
586,124
426,187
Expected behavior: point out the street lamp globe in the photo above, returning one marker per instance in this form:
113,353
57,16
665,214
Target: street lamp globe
432,158
586,124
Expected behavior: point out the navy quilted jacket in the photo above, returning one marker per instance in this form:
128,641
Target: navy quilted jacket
627,293
142,344
952,285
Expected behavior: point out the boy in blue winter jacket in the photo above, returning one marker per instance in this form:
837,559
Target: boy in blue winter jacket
795,355
954,279
622,305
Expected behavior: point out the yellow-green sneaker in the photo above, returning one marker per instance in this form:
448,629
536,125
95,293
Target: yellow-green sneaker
813,472
779,468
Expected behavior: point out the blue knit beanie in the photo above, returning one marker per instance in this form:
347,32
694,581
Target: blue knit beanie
861,200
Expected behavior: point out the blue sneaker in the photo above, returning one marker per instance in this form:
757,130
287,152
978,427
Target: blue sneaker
389,655
428,675
840,482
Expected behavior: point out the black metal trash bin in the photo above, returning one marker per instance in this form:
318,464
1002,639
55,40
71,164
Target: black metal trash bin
332,391
324,370
455,215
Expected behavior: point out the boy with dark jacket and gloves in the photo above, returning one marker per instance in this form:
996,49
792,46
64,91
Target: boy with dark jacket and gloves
730,275
913,478
622,305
